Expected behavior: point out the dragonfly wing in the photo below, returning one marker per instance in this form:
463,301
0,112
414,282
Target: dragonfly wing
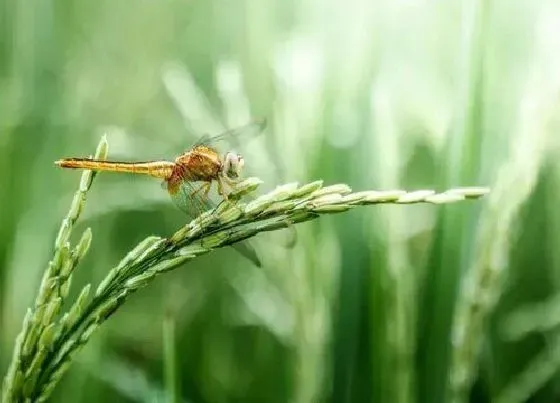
235,136
191,200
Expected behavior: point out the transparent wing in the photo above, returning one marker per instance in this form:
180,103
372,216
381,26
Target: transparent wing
191,200
234,136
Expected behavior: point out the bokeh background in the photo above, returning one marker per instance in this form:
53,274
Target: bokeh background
387,304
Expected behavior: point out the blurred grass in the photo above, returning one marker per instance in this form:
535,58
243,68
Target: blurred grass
376,94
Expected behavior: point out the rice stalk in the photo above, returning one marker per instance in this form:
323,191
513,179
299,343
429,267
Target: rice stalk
481,287
40,325
46,346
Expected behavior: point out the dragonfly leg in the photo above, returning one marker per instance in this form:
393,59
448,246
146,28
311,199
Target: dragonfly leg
207,190
221,190
205,187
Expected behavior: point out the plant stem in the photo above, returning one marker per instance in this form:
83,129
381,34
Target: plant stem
40,361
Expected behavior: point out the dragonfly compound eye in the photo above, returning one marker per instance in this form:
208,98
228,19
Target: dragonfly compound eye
233,165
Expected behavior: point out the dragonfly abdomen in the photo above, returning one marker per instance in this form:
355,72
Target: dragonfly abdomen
157,169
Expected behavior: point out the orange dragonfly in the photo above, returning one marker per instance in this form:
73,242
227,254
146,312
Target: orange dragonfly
202,163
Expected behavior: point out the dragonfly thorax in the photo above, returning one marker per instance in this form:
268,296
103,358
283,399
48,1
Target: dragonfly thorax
205,164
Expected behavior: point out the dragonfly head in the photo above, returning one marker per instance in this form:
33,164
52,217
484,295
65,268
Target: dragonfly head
233,165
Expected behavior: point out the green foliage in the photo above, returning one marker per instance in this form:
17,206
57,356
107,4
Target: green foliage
406,303
46,345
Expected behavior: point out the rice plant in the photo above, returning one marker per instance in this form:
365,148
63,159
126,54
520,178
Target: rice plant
47,342
423,302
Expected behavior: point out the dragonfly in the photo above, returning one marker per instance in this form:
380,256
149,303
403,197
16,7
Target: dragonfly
189,178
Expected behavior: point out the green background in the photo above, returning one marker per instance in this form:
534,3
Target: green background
376,94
